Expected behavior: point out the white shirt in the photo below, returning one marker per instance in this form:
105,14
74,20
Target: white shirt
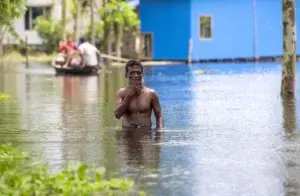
89,53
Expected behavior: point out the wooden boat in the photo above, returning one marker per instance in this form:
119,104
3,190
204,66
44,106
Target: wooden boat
80,70
86,70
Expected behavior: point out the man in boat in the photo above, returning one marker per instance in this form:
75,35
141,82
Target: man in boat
136,102
70,49
90,55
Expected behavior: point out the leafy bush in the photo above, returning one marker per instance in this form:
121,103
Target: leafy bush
10,11
19,177
50,31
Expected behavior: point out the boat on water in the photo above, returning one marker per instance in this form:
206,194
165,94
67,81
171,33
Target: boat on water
86,70
75,70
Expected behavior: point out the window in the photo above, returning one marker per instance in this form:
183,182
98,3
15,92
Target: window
32,13
205,27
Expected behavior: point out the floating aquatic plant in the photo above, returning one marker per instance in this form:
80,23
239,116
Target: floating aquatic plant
19,177
4,97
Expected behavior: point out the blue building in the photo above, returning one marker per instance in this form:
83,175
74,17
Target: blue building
217,29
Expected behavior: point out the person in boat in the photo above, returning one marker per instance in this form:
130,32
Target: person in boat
90,55
136,102
69,49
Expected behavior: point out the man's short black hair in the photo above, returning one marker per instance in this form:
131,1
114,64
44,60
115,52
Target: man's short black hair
82,40
132,63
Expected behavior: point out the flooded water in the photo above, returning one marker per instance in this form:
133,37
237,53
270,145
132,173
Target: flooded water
227,132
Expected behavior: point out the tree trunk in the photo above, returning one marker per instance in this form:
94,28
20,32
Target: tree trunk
63,18
289,48
289,114
110,41
92,22
77,3
119,39
1,49
108,38
3,31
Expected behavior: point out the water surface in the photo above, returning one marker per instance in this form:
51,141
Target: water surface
227,130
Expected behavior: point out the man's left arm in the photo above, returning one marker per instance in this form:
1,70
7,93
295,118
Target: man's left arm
157,110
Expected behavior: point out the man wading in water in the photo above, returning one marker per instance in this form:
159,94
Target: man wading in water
135,102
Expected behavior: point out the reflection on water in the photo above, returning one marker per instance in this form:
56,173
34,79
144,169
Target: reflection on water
289,114
227,130
291,148
138,149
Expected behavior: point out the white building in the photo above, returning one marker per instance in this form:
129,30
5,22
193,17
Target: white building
24,26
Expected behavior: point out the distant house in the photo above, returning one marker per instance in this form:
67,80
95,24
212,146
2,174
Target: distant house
212,29
24,26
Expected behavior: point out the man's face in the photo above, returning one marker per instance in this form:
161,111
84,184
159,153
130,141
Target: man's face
135,75
69,38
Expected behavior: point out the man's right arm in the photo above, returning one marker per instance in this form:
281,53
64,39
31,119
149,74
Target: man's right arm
98,55
61,47
122,104
80,49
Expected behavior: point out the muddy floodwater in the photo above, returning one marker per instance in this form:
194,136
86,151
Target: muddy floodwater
228,132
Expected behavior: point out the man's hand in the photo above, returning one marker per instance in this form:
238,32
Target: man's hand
139,88
130,91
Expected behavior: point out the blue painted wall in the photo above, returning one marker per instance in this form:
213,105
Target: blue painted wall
168,20
269,26
174,22
232,33
297,10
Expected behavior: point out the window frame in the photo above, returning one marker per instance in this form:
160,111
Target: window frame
199,26
30,19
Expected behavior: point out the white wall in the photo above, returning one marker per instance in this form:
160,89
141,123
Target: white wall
32,35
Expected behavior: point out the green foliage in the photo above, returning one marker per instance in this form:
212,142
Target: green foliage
50,31
19,177
98,30
4,97
119,12
11,10
72,7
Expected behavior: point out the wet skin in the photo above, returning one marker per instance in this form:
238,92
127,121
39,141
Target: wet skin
136,102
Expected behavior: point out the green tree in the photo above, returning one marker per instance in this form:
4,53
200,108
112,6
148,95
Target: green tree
50,31
78,9
120,16
10,10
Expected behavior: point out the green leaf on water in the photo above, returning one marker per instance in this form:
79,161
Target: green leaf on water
19,177
126,185
142,193
115,183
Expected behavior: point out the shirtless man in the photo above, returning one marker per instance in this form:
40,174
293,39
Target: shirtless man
136,102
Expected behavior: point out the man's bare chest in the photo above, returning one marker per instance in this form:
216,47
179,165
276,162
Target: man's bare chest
140,104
